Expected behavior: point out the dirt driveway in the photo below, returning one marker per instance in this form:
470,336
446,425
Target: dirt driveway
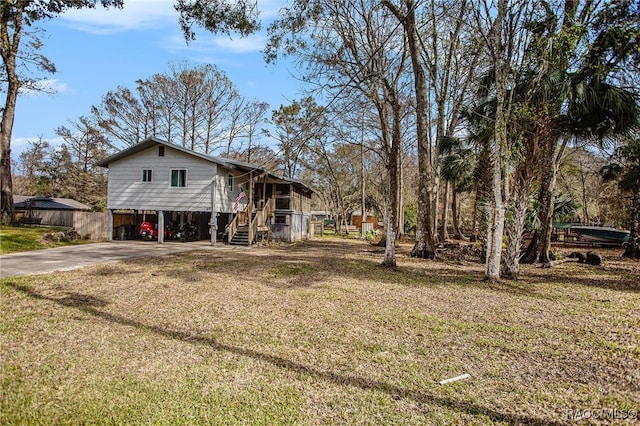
74,257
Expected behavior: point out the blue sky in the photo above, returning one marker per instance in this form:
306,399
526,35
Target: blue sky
97,50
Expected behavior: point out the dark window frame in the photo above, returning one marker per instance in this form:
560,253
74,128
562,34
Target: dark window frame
147,175
180,179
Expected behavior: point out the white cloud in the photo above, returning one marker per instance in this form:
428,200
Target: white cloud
143,14
269,8
241,45
20,145
135,15
47,86
206,43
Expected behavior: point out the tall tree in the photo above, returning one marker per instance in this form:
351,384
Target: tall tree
499,149
295,127
195,106
31,165
68,170
245,123
588,43
501,27
358,57
406,14
16,17
253,117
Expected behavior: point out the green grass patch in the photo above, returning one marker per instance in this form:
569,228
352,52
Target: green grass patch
289,270
15,239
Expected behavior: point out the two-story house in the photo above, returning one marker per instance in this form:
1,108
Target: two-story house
163,183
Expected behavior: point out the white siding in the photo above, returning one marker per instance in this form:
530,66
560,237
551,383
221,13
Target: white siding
225,197
127,191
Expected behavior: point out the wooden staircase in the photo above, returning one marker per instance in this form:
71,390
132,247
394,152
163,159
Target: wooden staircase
240,237
239,234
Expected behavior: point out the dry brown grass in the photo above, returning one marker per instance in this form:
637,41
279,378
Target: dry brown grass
318,333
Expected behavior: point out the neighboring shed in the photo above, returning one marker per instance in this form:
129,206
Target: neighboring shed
47,210
63,212
356,219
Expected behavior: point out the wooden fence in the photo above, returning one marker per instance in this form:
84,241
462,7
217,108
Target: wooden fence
91,225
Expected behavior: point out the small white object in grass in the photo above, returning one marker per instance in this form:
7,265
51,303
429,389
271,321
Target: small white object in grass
454,379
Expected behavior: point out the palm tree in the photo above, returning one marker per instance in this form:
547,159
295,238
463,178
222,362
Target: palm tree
599,41
564,210
596,111
457,171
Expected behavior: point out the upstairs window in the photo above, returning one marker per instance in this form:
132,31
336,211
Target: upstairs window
147,175
230,183
178,178
161,151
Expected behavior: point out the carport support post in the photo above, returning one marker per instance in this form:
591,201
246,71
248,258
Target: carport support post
213,220
160,227
109,225
250,209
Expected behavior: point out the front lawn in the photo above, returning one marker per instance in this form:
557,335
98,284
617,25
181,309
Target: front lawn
15,239
318,333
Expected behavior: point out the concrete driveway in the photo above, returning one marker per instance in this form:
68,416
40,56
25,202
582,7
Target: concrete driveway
74,257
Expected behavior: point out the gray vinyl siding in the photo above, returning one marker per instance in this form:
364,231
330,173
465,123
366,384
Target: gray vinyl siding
127,191
225,197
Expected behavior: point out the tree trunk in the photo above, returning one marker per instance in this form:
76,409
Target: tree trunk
529,255
363,207
444,234
400,221
514,231
500,150
6,183
390,222
495,226
547,201
393,155
523,182
633,249
9,52
425,246
455,215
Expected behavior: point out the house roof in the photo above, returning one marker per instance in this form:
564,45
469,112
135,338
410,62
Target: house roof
47,203
225,162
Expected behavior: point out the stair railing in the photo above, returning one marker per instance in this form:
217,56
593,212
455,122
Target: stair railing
232,228
261,217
